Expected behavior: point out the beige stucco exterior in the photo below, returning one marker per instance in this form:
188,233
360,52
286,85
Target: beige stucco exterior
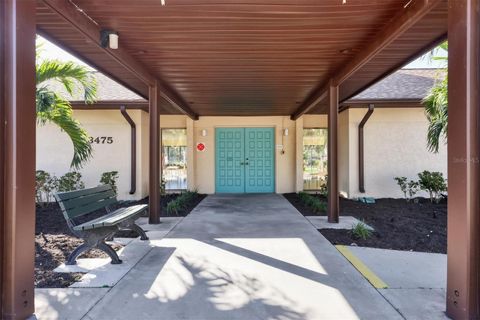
394,145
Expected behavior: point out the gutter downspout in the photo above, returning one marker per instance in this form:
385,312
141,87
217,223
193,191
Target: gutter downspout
133,150
361,160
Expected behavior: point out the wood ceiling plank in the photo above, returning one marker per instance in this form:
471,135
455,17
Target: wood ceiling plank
263,56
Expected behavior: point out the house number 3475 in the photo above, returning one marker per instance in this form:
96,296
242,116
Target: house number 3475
101,140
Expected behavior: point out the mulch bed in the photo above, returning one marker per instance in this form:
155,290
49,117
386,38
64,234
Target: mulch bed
295,200
54,242
398,224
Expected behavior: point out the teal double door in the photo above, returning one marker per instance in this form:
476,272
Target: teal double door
245,160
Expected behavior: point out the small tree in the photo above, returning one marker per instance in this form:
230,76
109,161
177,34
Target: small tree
432,182
402,183
413,188
45,184
409,188
70,181
110,178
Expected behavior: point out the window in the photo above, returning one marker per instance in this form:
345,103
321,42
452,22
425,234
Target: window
174,158
314,159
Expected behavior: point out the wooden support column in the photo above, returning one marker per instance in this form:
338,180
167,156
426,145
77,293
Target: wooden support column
333,153
17,151
154,155
463,292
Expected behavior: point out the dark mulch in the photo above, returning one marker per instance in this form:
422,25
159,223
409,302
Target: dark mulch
54,242
295,200
398,225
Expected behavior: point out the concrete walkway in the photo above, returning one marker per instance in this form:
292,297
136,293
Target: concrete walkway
243,257
416,280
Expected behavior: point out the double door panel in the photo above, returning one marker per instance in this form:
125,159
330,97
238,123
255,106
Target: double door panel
245,160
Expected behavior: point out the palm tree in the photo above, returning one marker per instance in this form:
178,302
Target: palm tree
54,108
436,104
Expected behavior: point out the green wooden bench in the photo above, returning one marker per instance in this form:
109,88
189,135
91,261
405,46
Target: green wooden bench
76,204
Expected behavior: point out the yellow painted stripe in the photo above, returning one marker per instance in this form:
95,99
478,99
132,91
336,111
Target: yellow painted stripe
362,268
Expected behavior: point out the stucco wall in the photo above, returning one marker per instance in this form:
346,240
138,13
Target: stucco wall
285,163
54,149
343,154
395,145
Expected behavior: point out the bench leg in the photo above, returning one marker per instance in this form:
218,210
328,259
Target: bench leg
72,258
135,227
111,253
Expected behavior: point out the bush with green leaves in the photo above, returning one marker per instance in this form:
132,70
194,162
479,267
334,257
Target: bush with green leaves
361,231
412,188
434,183
174,207
70,181
313,202
324,186
181,202
402,183
110,178
45,185
409,188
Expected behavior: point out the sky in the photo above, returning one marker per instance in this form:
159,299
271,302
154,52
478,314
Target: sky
51,51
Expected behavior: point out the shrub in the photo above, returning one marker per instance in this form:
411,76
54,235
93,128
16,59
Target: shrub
313,202
110,178
181,202
361,231
409,188
324,186
432,182
173,207
413,188
70,181
45,184
402,183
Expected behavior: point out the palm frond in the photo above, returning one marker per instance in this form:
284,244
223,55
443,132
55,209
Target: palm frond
52,108
436,110
69,74
433,55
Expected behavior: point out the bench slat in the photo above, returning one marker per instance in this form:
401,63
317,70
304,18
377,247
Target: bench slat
80,211
80,193
113,218
90,198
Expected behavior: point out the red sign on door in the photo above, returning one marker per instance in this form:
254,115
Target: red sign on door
200,146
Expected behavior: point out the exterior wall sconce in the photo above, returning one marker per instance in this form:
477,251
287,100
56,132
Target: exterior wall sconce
109,38
204,132
285,132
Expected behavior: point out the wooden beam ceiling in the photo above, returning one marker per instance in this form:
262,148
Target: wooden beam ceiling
245,58
91,30
404,20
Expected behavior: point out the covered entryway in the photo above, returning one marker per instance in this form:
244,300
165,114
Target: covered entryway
240,58
244,160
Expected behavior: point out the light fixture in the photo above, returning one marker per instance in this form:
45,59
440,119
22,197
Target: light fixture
204,132
285,132
109,38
